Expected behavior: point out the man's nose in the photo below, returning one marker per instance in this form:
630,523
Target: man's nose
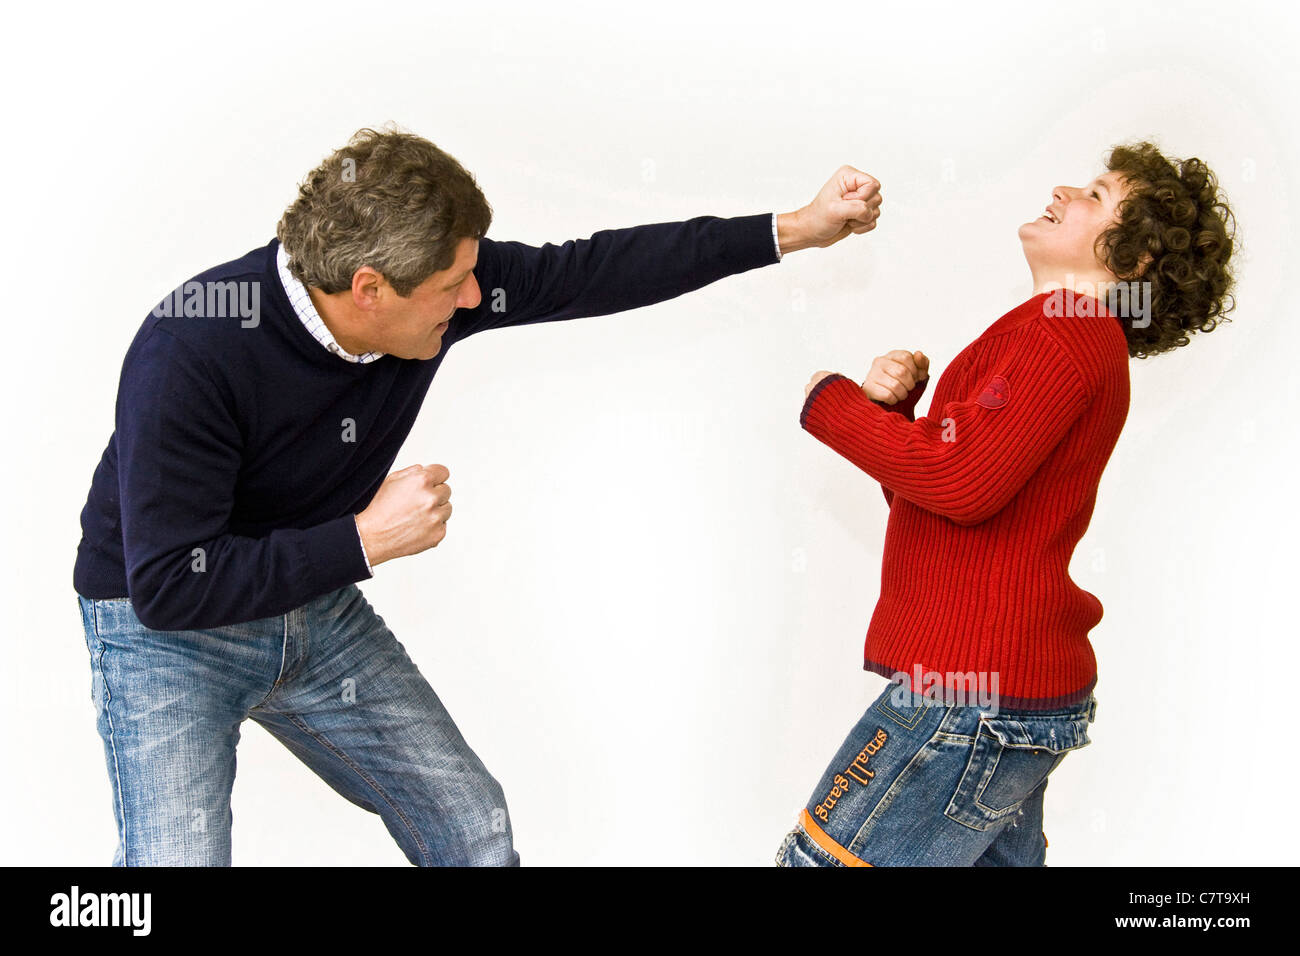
470,294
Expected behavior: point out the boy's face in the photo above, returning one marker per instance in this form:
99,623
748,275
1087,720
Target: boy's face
1063,238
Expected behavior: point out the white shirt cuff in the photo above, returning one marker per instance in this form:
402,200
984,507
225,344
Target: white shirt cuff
363,549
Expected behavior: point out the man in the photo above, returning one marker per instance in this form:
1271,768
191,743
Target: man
246,490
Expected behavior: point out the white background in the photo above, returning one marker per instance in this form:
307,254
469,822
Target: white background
648,614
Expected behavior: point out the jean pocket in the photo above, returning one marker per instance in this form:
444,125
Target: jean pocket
1009,758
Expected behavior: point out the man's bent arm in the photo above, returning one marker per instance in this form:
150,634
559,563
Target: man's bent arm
179,453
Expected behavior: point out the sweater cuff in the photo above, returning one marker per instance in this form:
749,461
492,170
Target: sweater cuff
335,556
811,400
751,242
906,406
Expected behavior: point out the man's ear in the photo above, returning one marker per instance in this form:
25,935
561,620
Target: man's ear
367,288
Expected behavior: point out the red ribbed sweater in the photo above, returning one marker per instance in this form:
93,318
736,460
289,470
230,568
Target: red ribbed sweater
988,495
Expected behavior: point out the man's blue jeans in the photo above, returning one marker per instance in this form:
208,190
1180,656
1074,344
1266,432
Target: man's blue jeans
922,783
329,681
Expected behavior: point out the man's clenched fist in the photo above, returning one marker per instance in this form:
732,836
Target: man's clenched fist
848,203
408,513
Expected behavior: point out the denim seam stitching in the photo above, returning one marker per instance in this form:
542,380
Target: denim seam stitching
977,794
284,654
855,846
976,787
112,740
997,815
817,848
784,848
360,772
992,816
883,707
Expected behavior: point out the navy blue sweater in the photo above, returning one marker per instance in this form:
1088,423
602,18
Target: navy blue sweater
227,491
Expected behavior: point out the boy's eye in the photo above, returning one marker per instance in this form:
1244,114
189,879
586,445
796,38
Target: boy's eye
1095,194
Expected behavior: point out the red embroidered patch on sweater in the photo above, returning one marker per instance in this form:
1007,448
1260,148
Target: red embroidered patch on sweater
995,393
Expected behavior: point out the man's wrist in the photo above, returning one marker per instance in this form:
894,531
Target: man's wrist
791,233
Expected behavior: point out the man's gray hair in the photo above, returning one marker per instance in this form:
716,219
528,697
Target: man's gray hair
389,200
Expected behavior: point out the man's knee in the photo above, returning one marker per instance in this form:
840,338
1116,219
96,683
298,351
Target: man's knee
492,843
470,828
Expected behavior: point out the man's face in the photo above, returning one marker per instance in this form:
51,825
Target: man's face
1063,238
412,327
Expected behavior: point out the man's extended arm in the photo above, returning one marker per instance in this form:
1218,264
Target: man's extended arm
620,269
613,271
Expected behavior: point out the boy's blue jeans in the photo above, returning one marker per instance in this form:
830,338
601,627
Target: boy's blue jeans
918,783
329,681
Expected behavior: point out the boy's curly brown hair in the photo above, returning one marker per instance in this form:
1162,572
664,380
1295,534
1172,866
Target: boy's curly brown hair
1175,230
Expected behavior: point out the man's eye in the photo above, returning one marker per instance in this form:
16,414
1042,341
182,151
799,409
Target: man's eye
1095,194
